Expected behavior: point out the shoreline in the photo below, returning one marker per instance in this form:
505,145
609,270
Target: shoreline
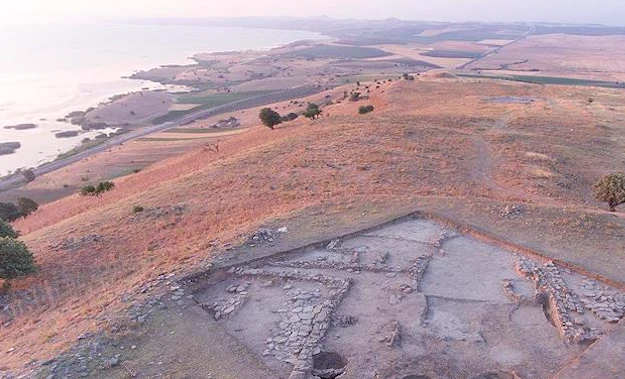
39,144
79,118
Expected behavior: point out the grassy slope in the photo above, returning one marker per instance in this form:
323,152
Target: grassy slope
407,152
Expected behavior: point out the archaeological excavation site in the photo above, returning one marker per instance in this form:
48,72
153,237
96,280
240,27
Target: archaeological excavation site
414,299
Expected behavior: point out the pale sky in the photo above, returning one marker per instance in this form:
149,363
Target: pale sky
611,12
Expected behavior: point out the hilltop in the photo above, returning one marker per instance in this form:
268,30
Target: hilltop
504,160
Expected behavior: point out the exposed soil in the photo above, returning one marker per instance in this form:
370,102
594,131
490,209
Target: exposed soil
410,299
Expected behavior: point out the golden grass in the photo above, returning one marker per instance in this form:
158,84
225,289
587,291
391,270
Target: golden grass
425,138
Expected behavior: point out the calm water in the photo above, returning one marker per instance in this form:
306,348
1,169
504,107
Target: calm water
47,71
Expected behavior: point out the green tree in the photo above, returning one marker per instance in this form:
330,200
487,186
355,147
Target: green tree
6,230
26,206
611,189
269,117
15,259
312,111
9,212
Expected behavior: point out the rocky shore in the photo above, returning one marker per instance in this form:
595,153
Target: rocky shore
7,148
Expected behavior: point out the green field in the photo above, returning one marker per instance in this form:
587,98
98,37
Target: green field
217,99
331,51
366,78
206,102
452,54
194,130
173,116
549,80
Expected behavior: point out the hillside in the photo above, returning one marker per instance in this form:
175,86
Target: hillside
463,149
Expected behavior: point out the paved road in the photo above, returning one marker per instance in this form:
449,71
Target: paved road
274,97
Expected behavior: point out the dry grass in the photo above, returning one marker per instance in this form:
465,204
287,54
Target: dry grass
563,55
425,140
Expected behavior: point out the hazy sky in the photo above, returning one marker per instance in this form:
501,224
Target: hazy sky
572,11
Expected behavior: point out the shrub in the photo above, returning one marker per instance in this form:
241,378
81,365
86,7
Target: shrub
104,187
137,209
269,117
611,189
88,190
365,109
312,111
26,206
354,96
29,175
91,190
6,230
9,212
289,117
408,77
15,259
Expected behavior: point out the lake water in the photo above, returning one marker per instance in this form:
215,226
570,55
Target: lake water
48,71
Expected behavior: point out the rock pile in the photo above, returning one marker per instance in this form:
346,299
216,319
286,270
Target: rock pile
562,300
227,305
392,334
418,270
349,266
264,236
512,210
607,304
510,292
305,316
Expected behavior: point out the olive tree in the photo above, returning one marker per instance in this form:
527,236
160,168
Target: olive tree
15,259
312,111
269,117
9,212
611,189
26,206
6,230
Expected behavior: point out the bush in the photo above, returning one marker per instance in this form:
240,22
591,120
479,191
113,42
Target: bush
611,189
26,206
104,187
312,111
7,231
88,190
408,77
269,117
354,96
29,175
15,259
91,190
365,109
137,209
289,117
9,212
